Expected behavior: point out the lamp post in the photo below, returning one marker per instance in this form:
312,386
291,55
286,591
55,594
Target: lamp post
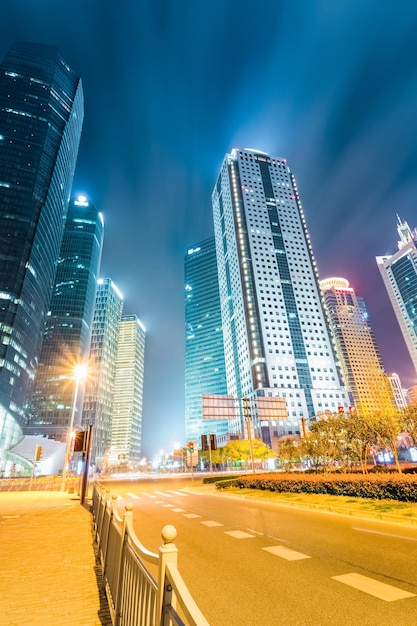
80,372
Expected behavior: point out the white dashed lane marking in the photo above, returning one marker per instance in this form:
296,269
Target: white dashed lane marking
167,505
191,515
165,495
373,587
211,524
178,510
134,496
286,553
238,534
148,495
178,493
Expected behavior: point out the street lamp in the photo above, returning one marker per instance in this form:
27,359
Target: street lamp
79,374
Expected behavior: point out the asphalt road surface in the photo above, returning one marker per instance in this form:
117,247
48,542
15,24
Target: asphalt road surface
259,564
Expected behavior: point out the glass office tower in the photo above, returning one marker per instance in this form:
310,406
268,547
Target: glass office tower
98,398
41,115
360,361
205,371
126,436
69,323
399,273
276,337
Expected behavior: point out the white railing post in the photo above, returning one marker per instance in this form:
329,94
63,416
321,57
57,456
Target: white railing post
127,522
168,553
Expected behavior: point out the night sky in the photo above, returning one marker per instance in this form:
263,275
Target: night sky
170,86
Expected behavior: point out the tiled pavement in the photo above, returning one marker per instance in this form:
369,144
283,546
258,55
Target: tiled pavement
48,568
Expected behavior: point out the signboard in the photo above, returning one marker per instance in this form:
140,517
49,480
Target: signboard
219,407
271,409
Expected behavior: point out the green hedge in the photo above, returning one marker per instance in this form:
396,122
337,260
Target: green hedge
214,479
376,486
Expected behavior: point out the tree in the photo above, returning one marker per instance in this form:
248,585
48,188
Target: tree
239,450
360,436
288,453
410,422
323,444
388,425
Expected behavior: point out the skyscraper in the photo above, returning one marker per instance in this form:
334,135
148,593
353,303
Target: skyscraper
69,323
41,115
358,353
399,273
276,336
205,371
400,395
126,435
98,398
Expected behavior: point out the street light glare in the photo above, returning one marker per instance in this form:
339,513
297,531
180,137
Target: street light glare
80,371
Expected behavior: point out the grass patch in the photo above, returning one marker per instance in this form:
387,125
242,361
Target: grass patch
389,507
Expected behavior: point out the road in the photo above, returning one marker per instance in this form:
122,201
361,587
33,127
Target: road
250,564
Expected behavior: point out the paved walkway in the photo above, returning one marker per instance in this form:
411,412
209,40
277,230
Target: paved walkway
48,569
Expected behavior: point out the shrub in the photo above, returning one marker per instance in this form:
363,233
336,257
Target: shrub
376,486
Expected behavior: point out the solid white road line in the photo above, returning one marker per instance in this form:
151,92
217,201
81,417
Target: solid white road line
286,553
377,532
238,534
373,587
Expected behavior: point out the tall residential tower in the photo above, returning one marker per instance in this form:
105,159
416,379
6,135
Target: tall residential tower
276,337
358,353
399,273
69,323
41,115
205,371
98,398
126,435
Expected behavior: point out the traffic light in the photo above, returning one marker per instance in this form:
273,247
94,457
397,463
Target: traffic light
204,444
38,453
352,410
79,440
213,442
340,410
190,447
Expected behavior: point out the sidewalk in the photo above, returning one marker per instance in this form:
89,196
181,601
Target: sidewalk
48,571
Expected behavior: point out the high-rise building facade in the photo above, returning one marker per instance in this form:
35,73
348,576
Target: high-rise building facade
276,337
399,273
126,434
400,394
68,327
205,371
356,348
98,398
41,115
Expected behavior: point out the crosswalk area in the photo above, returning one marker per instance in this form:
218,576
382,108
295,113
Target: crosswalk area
366,584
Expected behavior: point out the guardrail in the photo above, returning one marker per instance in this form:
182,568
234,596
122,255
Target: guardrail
135,597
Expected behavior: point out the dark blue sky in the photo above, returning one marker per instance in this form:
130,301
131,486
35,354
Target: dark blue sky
172,85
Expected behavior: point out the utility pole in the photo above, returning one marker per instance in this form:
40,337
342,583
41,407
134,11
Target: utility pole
248,426
209,448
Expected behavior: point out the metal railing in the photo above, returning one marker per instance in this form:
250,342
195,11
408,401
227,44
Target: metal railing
135,597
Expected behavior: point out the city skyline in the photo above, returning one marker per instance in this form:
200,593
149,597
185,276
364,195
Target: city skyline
331,88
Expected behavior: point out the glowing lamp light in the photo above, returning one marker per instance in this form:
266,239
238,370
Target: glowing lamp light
81,200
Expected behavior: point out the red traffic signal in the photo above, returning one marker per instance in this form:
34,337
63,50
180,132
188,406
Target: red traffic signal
341,410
